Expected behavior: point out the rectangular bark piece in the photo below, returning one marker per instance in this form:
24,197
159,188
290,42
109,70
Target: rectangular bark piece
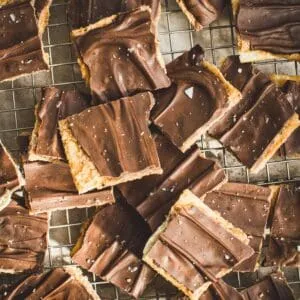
111,143
54,105
11,178
271,287
119,55
23,239
153,196
58,283
21,49
198,97
195,246
247,207
267,29
111,245
264,116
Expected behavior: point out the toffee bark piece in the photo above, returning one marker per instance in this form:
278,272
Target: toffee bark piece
50,187
198,97
119,56
201,13
267,29
54,106
21,49
195,246
247,207
264,116
11,178
271,287
85,12
110,143
60,283
111,245
42,11
23,239
153,196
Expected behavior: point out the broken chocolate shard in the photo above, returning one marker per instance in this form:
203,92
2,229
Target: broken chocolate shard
11,178
119,56
23,239
20,46
195,246
111,143
120,236
54,106
196,100
202,13
85,12
268,29
59,283
271,287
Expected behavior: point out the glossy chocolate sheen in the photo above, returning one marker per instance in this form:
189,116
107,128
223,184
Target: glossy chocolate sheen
205,11
8,174
116,136
193,99
270,25
50,186
153,196
112,248
85,12
127,46
282,252
20,45
247,207
193,248
23,239
259,118
285,222
270,288
55,284
55,105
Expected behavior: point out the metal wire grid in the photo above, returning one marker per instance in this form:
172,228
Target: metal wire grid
18,98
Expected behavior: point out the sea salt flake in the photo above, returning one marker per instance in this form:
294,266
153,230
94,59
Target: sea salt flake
189,92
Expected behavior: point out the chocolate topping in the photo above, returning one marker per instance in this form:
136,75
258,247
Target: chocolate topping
56,284
122,57
258,118
247,207
50,186
23,239
270,25
20,44
115,135
55,105
154,196
270,288
111,247
195,98
85,12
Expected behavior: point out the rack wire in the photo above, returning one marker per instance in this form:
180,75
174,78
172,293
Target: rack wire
18,97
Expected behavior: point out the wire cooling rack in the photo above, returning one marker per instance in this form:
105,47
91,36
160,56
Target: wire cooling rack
18,97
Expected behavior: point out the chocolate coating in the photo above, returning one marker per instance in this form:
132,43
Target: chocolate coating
270,288
247,207
153,197
55,105
50,186
111,247
126,46
55,284
20,44
23,239
84,12
115,135
194,248
270,25
195,98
